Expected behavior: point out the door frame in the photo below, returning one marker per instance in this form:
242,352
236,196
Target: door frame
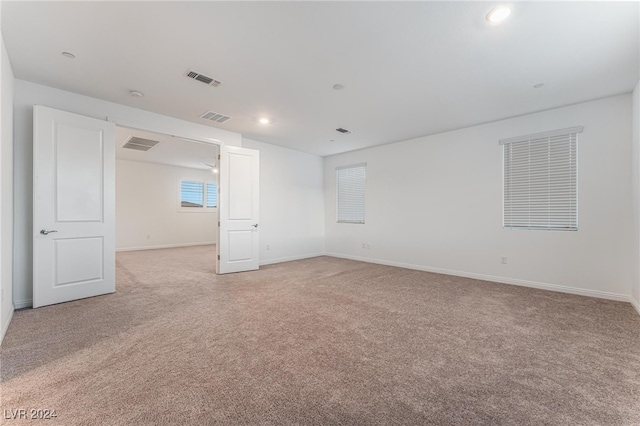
180,135
169,132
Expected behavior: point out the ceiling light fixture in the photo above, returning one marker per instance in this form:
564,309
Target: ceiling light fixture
136,94
68,55
264,121
498,14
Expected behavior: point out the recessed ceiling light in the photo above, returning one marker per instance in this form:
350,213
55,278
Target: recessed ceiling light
338,87
68,55
264,121
136,94
537,86
498,14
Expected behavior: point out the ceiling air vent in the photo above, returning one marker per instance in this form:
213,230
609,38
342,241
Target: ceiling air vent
203,78
345,131
214,116
139,144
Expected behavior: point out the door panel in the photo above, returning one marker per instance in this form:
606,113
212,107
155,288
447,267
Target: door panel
78,173
240,188
240,245
74,207
78,260
238,236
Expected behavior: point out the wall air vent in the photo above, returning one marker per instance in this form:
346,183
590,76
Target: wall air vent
214,116
203,78
345,131
139,144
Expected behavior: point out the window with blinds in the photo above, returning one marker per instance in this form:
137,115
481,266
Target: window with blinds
191,194
350,181
540,181
212,195
198,196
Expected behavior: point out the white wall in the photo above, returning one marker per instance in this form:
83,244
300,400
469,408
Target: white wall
635,138
291,203
6,192
26,95
147,207
435,203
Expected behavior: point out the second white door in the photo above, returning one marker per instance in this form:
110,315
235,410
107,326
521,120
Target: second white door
238,197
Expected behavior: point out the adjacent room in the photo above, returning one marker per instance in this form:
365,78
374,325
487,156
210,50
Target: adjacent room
320,213
166,191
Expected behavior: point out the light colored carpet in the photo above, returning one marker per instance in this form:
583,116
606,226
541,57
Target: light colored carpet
321,341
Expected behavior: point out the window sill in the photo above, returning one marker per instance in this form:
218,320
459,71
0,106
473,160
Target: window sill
198,210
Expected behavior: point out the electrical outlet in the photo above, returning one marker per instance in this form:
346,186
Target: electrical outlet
364,246
503,260
268,247
148,237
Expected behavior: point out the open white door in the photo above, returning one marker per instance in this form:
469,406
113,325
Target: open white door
238,186
73,206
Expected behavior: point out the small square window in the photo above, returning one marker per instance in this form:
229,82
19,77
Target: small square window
191,194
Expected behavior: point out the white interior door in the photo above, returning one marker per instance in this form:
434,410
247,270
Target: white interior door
73,206
239,233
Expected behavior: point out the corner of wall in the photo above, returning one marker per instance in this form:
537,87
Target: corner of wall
7,82
635,144
6,320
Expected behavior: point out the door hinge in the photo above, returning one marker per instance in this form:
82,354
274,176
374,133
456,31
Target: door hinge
218,257
218,156
218,224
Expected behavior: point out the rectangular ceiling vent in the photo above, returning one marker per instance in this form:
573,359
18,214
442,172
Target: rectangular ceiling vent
214,116
345,131
139,144
203,78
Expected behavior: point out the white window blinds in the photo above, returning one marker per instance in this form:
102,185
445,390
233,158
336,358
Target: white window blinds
191,194
350,181
540,181
212,195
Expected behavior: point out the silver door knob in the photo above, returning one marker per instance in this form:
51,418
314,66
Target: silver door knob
47,232
255,226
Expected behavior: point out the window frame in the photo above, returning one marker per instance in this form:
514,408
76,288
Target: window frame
364,184
537,141
203,208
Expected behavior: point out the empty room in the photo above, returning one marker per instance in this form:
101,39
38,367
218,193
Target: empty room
320,213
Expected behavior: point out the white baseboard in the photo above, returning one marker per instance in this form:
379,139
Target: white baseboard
635,304
524,283
502,280
27,303
165,246
290,258
5,324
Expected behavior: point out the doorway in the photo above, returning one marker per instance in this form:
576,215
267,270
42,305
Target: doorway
166,191
74,205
